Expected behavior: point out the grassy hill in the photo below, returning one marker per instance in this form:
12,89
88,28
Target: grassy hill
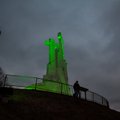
37,105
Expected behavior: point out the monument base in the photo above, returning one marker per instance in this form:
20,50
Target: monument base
51,86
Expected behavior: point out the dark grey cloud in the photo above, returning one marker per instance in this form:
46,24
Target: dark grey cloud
91,32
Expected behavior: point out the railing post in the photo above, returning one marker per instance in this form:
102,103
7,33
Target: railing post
102,100
6,77
93,96
36,83
85,96
61,88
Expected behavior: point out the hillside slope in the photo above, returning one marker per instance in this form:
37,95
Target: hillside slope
34,105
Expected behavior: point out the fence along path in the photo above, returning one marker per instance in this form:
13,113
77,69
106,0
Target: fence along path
28,82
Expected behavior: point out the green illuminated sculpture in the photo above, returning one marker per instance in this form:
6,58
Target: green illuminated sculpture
56,78
57,66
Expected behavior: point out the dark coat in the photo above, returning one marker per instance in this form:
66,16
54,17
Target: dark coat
76,86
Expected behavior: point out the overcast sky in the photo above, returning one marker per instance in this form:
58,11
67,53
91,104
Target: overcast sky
91,31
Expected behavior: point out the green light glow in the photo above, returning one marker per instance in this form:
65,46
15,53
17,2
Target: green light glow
56,67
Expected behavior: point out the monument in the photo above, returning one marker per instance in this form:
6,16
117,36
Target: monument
57,66
56,77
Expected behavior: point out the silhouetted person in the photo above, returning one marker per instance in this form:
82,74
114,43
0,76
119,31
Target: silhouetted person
76,87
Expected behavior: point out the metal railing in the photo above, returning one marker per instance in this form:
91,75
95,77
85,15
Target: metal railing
34,83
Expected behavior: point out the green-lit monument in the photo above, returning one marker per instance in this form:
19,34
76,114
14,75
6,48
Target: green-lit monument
56,77
57,66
